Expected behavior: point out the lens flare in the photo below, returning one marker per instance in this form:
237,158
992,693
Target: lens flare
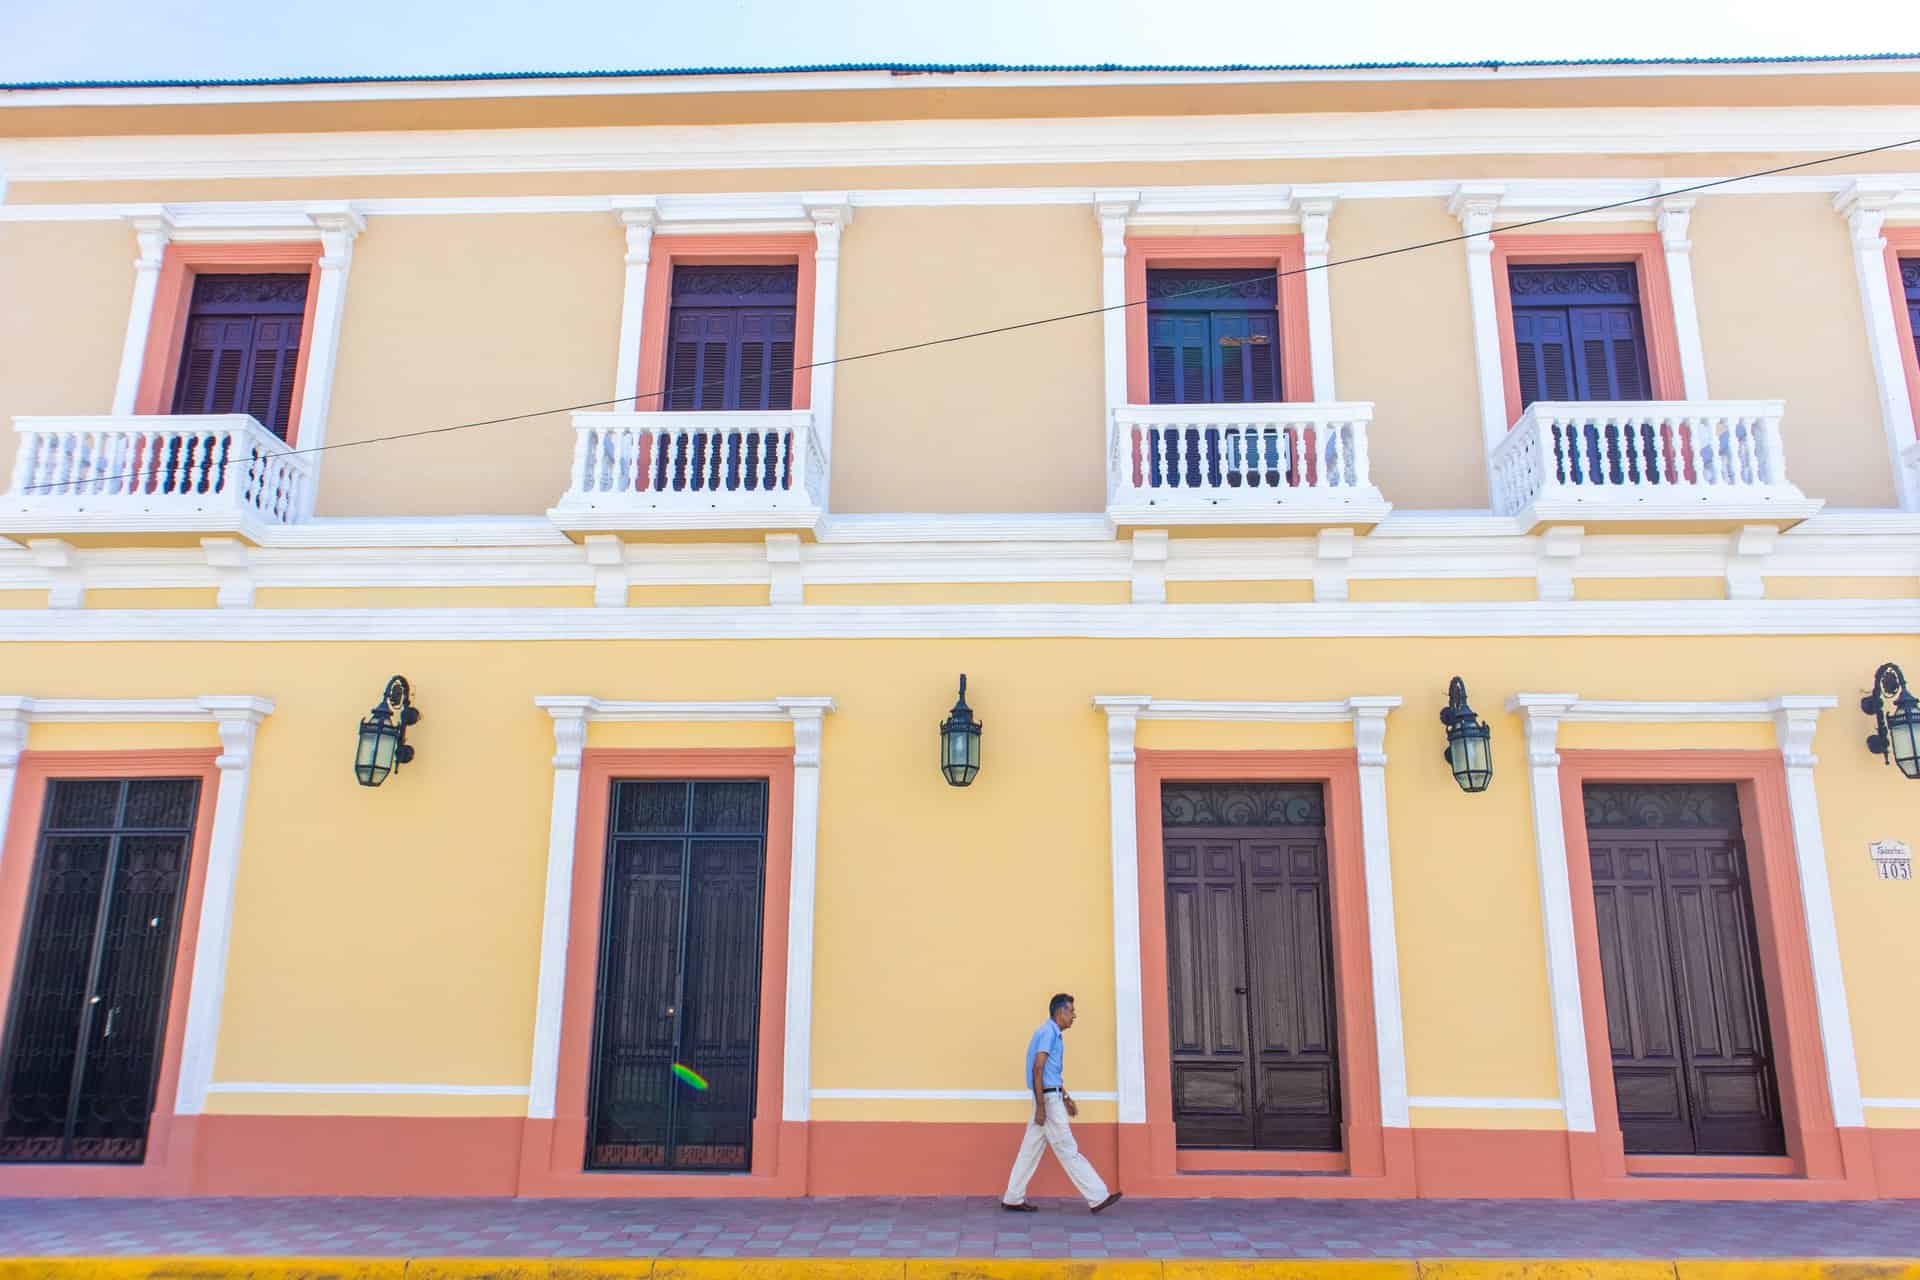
689,1076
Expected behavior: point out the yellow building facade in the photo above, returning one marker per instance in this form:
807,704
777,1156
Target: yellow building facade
681,439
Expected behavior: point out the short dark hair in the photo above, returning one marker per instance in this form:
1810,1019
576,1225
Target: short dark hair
1054,1005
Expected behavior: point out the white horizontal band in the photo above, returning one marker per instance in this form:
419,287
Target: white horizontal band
1488,1104
1892,1104
447,1090
952,1095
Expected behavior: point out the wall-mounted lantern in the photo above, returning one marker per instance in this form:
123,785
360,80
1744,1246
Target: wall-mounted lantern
1896,735
1469,741
960,742
383,734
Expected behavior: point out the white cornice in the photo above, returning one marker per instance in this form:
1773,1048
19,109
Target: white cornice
855,144
535,85
773,711
209,709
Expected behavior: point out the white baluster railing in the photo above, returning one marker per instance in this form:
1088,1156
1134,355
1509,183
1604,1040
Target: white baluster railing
733,468
1647,460
211,472
1241,463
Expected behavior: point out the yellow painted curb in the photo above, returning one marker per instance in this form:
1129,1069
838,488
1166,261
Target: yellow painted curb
1291,1269
1546,1269
1033,1269
1800,1269
207,1268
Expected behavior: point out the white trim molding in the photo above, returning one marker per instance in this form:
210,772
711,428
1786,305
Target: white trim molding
1794,718
951,1095
636,215
1672,216
356,1089
571,714
1487,1104
1476,205
1368,714
152,228
1865,205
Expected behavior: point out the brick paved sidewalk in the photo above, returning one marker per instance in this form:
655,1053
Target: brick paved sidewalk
963,1228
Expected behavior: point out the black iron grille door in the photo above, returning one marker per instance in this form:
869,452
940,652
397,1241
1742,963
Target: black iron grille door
679,977
89,1005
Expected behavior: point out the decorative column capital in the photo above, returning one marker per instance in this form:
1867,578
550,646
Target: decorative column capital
1123,723
1795,717
1370,727
1315,208
570,713
638,214
1672,214
809,726
1541,714
153,227
1864,205
830,215
1113,208
339,225
238,720
1475,204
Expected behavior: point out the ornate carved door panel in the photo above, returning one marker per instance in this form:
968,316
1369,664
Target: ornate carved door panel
1250,967
679,977
1686,1014
88,1016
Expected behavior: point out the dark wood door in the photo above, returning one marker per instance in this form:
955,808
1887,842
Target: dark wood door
1250,971
1693,1066
679,977
88,1014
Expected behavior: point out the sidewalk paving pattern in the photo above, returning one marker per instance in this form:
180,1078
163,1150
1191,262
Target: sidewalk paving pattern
955,1228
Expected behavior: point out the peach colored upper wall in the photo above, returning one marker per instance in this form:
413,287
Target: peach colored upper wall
454,319
1780,319
1403,338
1005,423
64,288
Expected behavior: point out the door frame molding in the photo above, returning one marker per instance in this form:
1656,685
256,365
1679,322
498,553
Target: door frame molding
556,1125
168,1167
1828,1151
1378,1145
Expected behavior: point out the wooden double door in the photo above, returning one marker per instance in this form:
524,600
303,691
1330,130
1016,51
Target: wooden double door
679,980
1693,1061
1252,1013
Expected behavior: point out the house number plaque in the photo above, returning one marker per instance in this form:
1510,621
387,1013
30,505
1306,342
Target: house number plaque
1892,858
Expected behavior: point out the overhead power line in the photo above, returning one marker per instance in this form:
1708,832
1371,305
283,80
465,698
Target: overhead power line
1016,327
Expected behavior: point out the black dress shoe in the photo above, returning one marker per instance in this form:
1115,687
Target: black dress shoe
1108,1203
1022,1207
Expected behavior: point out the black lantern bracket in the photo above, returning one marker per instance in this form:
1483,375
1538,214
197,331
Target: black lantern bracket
960,742
383,734
1896,735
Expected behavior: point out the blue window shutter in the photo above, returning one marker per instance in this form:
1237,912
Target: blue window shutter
270,373
1263,356
765,361
1910,278
1179,358
1543,354
242,350
219,349
1610,359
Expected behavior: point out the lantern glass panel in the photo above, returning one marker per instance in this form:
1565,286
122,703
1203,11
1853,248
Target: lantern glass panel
1903,736
373,761
1470,756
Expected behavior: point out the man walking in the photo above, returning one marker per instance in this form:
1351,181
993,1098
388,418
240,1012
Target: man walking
1052,1104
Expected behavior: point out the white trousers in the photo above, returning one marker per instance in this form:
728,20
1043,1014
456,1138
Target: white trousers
1056,1134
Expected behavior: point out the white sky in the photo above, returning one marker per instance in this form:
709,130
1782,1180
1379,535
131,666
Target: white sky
170,39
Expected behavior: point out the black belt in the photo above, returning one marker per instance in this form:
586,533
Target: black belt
1052,1091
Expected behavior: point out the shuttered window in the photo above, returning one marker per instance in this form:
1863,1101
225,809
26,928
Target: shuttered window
1213,336
730,338
1910,278
1578,333
242,348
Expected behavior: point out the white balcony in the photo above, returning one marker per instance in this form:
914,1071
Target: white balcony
1705,462
731,469
1242,464
220,473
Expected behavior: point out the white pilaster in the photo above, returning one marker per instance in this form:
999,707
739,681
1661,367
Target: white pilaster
1541,714
1369,738
1475,205
1130,1055
830,215
570,717
808,715
152,228
238,720
1672,213
1112,209
637,214
227,557
338,225
1865,208
1316,209
607,556
14,712
1149,566
1795,719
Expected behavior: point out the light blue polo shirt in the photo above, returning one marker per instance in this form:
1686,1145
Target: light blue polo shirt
1046,1040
